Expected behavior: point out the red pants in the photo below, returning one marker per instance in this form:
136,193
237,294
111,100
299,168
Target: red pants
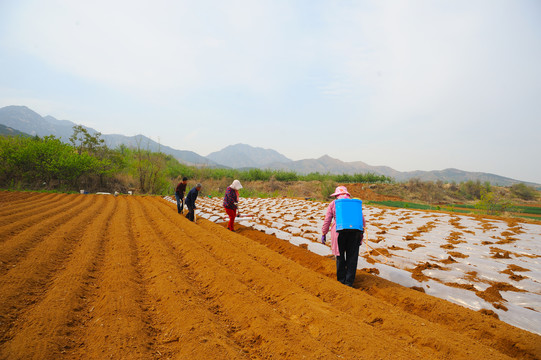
232,213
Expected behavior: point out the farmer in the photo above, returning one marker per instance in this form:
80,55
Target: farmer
190,201
231,201
344,244
179,194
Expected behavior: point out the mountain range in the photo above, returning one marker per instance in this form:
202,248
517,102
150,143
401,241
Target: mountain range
25,120
240,156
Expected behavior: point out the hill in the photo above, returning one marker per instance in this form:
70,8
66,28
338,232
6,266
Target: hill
243,156
327,164
7,131
240,156
26,120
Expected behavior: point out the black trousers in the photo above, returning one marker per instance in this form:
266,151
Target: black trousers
349,242
191,213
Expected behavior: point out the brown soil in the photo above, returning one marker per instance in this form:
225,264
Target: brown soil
363,191
98,277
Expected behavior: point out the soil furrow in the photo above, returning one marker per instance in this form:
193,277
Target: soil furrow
264,330
117,326
399,324
41,221
19,212
128,278
9,197
315,319
187,329
24,284
45,331
19,242
455,318
28,203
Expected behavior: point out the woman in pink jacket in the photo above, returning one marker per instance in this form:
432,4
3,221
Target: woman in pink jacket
345,244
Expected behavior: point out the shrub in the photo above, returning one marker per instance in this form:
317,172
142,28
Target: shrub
524,191
327,188
492,204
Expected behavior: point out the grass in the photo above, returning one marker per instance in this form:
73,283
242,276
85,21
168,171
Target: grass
457,208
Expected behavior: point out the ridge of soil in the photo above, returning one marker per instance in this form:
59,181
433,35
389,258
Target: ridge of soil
98,276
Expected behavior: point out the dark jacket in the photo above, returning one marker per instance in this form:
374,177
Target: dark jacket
190,198
181,188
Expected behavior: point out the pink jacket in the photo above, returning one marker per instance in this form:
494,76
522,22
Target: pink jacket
330,216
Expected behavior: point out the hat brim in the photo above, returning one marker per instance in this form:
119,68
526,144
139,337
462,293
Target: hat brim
340,193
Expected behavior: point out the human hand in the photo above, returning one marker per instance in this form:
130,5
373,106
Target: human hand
323,239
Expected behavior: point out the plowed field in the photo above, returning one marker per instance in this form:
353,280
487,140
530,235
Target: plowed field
98,277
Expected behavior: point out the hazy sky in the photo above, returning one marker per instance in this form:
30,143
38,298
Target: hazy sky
415,85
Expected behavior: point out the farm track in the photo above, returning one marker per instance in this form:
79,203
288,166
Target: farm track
127,277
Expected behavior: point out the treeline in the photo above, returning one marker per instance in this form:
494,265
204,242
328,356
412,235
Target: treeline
37,163
281,175
438,192
34,163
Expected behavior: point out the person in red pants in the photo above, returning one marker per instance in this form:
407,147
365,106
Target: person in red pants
231,201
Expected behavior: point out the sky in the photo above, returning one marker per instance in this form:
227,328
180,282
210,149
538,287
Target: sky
410,84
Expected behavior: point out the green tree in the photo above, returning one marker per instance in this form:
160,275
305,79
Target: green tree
82,140
491,204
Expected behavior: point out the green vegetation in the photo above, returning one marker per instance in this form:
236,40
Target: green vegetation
491,204
281,175
47,164
417,206
36,163
523,191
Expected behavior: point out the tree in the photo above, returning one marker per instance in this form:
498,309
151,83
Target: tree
491,204
84,141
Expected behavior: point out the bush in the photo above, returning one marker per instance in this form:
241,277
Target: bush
472,189
524,191
492,204
34,161
327,188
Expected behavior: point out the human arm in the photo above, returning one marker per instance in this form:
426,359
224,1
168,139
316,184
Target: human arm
329,215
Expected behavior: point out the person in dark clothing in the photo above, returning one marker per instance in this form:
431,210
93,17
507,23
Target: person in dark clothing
179,194
190,201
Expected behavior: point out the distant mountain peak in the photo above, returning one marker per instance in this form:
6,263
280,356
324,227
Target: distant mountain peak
244,156
22,118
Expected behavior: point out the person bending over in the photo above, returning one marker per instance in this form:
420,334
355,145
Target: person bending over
179,194
190,201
